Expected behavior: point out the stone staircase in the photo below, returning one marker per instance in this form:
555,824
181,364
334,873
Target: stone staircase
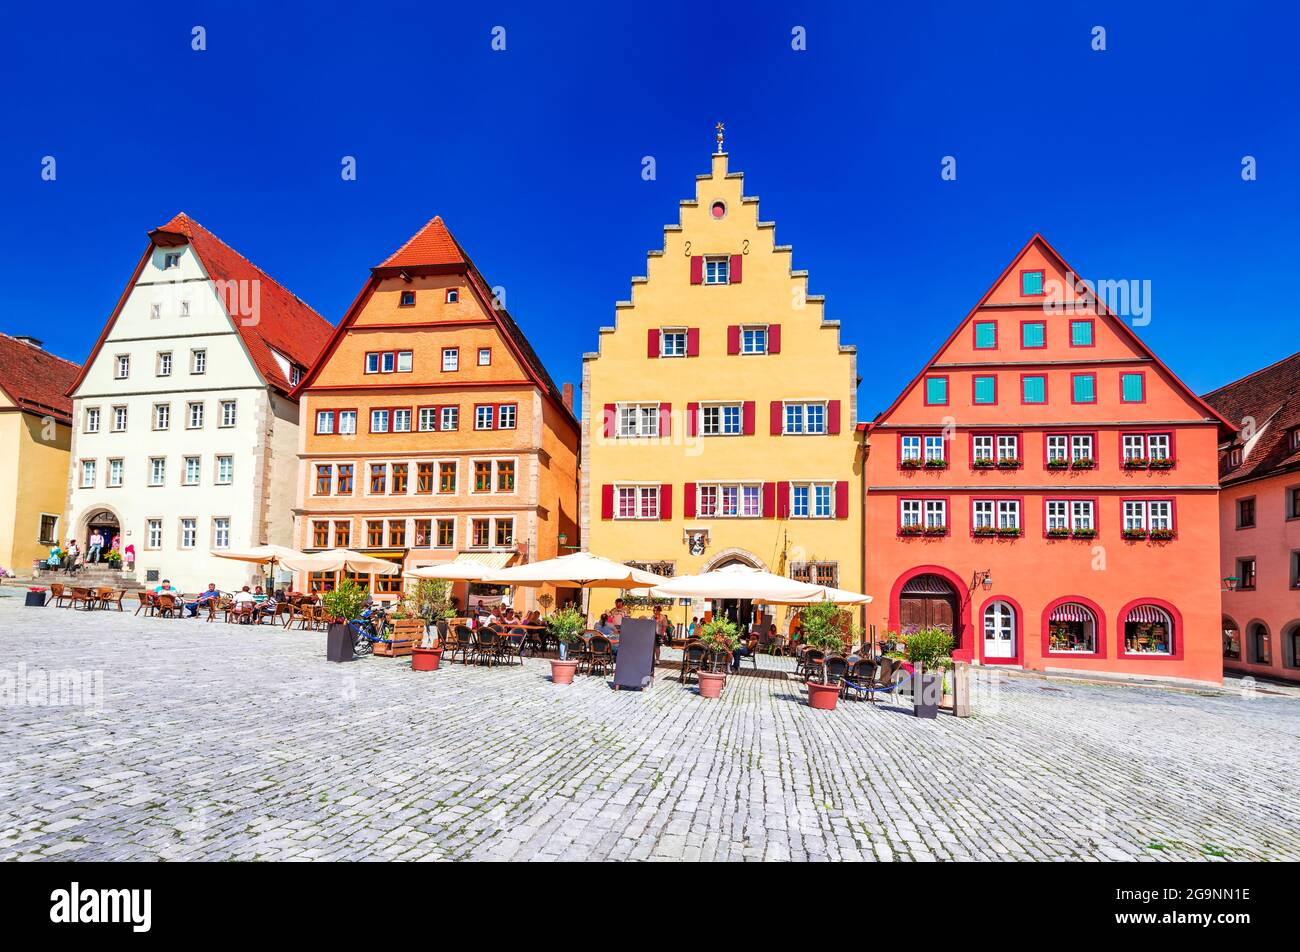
91,576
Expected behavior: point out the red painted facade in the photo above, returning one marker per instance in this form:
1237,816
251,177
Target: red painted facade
1048,488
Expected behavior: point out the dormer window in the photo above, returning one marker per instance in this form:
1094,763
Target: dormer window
453,295
171,259
408,299
1295,438
295,376
1234,457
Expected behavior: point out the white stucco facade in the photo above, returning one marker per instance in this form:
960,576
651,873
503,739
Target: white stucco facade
216,468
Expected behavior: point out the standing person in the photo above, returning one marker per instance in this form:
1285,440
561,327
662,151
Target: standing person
73,554
116,543
96,547
129,556
661,626
618,614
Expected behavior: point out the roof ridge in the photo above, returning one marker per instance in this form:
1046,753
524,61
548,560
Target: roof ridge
242,257
1254,373
40,350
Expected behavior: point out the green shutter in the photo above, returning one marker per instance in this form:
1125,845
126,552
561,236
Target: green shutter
1134,391
936,389
1085,389
1081,333
1033,334
1031,282
986,334
986,389
1034,389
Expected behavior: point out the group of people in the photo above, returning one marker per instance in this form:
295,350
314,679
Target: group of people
261,603
504,615
69,557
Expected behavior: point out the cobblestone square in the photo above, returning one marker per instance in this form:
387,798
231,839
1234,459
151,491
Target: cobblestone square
216,742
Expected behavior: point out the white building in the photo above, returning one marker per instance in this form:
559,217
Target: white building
184,439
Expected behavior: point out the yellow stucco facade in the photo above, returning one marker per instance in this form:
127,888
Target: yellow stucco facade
718,412
34,459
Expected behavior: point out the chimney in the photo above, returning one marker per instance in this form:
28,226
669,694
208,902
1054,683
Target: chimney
28,339
567,392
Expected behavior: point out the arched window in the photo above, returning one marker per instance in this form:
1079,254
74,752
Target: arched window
1149,630
1072,629
1231,640
1261,647
999,630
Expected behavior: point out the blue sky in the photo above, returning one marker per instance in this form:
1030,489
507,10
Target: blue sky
1127,160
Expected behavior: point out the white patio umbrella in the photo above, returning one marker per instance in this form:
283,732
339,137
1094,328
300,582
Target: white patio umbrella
825,594
579,570
266,554
342,560
735,581
454,571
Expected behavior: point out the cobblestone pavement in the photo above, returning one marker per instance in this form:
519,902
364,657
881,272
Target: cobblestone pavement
218,742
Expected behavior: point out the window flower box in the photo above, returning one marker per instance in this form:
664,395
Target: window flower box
1133,535
936,530
1058,464
982,462
1136,462
985,532
1162,462
910,464
1058,533
1008,533
1084,462
1160,535
910,530
1012,463
936,464
1085,533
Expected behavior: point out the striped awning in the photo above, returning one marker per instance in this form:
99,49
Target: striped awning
1148,615
927,585
493,560
1072,611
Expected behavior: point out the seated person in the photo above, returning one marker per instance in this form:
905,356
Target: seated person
244,603
744,650
165,588
606,628
265,604
208,595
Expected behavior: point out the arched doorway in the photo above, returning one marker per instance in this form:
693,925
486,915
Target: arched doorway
930,601
1231,640
102,520
739,611
1260,643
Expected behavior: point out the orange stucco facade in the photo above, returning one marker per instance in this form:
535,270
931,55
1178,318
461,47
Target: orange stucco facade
431,430
1011,493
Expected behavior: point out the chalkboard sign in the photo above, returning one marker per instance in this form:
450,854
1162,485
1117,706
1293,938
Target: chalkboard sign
636,654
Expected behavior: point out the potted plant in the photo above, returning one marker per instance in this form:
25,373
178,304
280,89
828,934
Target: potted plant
1011,462
936,464
823,630
342,604
1133,535
1058,532
1135,462
982,462
986,532
431,601
1084,462
930,651
719,636
936,530
114,559
1160,535
567,626
1058,463
1162,462
1009,532
913,529
1085,533
910,463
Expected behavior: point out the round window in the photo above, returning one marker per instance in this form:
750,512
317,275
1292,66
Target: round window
719,209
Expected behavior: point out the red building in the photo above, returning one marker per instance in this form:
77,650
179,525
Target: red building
1259,521
1046,488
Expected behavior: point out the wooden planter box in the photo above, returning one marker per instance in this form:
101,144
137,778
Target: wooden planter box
393,649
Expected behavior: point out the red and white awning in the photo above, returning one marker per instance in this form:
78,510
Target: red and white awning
1072,611
1148,615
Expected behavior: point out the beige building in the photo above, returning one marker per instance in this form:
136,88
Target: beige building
35,418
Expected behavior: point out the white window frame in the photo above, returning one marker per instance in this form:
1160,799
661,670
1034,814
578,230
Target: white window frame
220,525
153,534
120,415
449,413
450,360
194,415
637,420
720,426
645,501
909,513
673,341
348,417
910,447
229,475
193,468
162,416
229,413
122,367
116,471
163,367
91,419
717,269
754,339
189,533
199,361
157,470
89,473
1058,448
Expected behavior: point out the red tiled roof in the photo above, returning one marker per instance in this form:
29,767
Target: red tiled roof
431,245
1271,398
284,322
34,379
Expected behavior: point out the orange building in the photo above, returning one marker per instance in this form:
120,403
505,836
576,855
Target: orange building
1047,489
1259,521
431,431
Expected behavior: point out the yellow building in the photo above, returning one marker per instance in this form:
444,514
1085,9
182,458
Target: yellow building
718,413
35,418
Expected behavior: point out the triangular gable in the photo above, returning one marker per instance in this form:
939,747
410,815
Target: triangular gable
285,323
1122,329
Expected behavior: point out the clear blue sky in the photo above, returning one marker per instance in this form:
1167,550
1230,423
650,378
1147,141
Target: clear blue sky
1127,160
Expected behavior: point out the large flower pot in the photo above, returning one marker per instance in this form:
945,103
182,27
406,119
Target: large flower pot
927,694
425,659
35,598
823,696
562,671
338,643
711,683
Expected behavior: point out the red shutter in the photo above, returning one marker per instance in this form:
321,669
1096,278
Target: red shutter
733,273
749,417
652,342
692,342
841,500
666,501
665,419
692,418
733,338
611,418
774,338
697,269
769,500
607,501
783,500
688,500
777,417
833,417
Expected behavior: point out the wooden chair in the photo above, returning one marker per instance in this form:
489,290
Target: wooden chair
83,597
242,614
809,660
695,656
168,606
303,614
109,597
58,595
487,643
599,657
460,641
146,604
754,642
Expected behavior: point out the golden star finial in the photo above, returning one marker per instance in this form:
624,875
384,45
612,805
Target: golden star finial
720,128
